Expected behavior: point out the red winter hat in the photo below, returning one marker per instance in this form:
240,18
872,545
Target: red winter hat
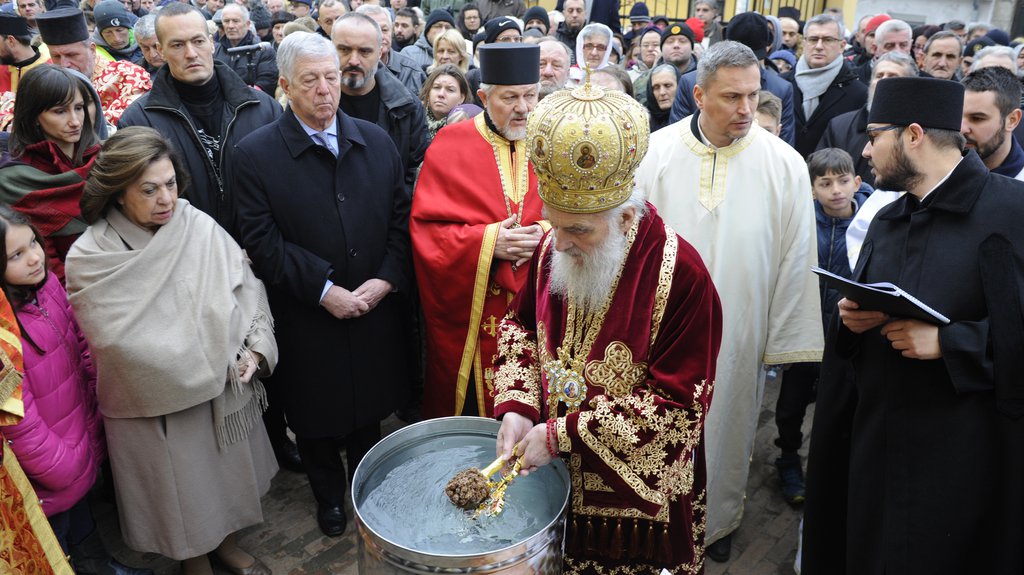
697,25
875,22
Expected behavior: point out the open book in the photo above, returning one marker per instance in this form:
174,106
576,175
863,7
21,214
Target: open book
884,297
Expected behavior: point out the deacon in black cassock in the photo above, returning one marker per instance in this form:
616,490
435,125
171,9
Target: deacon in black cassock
917,466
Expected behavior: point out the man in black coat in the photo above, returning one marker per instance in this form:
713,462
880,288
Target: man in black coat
323,213
933,424
370,92
200,105
847,131
824,85
242,50
602,12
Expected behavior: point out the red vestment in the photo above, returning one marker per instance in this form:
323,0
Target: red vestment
460,200
631,430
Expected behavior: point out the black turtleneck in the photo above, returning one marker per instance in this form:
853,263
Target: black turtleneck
205,104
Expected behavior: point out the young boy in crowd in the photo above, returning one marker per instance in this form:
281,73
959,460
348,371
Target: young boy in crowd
769,112
838,191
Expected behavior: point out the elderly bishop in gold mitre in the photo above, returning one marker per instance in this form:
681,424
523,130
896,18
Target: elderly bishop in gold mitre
607,355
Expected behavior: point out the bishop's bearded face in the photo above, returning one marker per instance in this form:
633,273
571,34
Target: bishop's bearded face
589,250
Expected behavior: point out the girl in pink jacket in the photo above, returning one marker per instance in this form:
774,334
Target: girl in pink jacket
59,443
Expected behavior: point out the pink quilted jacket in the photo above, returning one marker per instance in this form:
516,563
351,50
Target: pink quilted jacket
60,441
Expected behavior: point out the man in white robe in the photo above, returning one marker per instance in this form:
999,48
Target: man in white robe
742,197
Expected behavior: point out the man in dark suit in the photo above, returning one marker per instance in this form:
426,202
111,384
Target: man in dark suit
323,213
824,85
602,12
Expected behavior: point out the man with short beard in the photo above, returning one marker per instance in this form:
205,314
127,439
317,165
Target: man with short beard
406,22
607,357
16,52
407,72
474,225
848,131
991,114
932,411
554,67
718,176
369,91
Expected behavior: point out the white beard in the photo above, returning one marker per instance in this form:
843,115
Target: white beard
588,277
513,134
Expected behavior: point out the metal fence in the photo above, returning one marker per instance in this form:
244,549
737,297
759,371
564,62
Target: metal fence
682,9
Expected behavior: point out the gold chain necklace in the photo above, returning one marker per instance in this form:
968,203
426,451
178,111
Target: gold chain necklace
508,187
566,382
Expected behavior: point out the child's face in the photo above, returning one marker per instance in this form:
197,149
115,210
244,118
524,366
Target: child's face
767,122
835,193
26,262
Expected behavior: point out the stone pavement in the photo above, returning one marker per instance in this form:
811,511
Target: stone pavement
290,542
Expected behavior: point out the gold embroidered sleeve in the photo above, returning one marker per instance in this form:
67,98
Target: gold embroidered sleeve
517,373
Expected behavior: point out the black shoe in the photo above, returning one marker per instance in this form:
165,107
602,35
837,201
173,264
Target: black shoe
409,415
288,455
720,550
332,520
122,569
791,477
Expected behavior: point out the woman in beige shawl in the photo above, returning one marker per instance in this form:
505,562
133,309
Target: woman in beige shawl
180,331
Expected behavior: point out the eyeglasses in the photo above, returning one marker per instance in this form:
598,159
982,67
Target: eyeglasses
874,132
588,47
826,40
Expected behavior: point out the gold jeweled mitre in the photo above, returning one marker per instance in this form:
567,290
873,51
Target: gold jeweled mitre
585,145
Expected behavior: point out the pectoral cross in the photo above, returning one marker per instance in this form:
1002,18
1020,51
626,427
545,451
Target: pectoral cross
490,326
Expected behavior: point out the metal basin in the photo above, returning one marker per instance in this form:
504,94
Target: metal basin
380,551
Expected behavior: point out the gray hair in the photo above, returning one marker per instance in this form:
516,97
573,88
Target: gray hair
894,25
903,60
488,88
943,35
145,27
824,19
724,54
594,29
372,10
359,17
975,26
636,201
664,68
550,40
712,3
303,45
243,9
997,51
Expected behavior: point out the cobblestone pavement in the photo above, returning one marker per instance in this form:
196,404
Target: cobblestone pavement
290,542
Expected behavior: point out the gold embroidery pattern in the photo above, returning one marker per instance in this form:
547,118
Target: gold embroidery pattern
668,269
593,482
588,567
616,372
518,375
617,443
714,164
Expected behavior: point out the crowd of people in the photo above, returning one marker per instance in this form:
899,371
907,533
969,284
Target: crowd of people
224,221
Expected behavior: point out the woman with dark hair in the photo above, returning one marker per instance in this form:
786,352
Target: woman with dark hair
52,146
181,331
445,88
468,20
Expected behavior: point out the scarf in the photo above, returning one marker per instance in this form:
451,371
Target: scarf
433,126
167,314
1014,162
814,82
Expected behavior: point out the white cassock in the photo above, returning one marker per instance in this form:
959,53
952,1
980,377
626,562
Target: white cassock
747,208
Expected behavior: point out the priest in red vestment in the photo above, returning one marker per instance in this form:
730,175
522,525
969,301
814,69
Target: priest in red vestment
607,355
475,222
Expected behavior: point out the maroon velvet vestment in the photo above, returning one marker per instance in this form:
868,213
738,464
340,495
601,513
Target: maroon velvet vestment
632,435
